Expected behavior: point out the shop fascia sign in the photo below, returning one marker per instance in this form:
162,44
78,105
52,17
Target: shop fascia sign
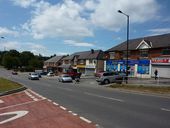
90,66
161,60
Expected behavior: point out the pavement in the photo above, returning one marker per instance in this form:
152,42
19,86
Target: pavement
150,81
27,109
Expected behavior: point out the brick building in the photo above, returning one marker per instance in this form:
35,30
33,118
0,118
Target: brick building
145,55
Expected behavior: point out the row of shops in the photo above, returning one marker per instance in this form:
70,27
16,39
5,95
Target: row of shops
141,68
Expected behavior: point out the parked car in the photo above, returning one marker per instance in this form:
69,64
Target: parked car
44,73
33,76
14,72
65,78
50,74
109,77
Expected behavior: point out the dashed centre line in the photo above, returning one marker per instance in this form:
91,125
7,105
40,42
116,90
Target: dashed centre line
164,109
109,98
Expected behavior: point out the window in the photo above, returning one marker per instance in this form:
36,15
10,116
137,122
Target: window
125,54
82,62
112,55
90,61
143,53
166,51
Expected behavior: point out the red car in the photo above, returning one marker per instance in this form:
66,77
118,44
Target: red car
74,75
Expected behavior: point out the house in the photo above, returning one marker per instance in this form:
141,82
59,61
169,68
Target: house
144,54
86,62
53,64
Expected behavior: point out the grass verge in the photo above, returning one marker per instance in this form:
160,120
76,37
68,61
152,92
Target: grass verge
141,88
7,85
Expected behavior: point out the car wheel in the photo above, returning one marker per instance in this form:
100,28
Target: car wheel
106,81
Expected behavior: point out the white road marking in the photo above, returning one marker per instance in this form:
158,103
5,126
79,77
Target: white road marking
49,100
55,104
109,98
1,101
74,114
18,114
62,107
164,109
84,119
19,104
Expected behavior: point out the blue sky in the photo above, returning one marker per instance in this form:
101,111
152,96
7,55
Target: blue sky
49,27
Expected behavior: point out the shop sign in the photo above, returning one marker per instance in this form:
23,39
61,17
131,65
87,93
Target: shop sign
80,66
161,60
90,66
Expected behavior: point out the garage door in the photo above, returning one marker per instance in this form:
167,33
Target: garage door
89,71
163,70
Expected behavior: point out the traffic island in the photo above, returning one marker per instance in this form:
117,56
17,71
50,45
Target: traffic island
9,87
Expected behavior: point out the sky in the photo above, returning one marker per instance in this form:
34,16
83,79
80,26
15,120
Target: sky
61,27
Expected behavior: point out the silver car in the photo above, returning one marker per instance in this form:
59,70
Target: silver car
33,76
65,78
109,77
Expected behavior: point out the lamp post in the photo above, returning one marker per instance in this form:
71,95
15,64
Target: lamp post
2,37
127,48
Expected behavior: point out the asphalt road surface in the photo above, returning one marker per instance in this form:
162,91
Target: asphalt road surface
107,107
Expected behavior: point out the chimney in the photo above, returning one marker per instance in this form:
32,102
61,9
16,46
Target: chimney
92,51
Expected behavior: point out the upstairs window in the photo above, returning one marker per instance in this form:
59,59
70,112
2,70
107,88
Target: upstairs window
143,53
125,54
90,61
166,51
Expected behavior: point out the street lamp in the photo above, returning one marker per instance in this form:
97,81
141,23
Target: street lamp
127,49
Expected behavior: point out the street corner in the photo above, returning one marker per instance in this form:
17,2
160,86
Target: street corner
29,109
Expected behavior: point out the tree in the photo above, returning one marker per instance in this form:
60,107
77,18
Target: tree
36,63
11,59
25,57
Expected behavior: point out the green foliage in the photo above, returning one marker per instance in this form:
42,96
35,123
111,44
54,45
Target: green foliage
25,61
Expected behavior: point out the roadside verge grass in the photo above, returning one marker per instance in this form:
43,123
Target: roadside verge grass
142,88
7,85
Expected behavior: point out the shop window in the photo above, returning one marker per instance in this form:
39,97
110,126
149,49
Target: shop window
166,52
143,53
143,69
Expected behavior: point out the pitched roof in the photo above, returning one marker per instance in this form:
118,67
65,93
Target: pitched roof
84,55
54,59
157,41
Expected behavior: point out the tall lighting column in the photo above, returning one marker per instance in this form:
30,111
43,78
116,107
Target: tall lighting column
127,48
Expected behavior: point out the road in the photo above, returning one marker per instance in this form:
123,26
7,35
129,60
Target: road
107,107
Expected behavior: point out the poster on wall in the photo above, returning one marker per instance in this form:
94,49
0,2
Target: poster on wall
111,65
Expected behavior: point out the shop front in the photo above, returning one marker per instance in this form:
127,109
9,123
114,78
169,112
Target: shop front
162,65
136,68
81,69
90,69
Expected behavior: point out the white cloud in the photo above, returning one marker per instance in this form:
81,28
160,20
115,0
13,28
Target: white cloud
60,20
160,31
106,15
6,31
23,3
10,45
78,44
78,19
24,46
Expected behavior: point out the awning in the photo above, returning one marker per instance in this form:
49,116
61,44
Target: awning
80,66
